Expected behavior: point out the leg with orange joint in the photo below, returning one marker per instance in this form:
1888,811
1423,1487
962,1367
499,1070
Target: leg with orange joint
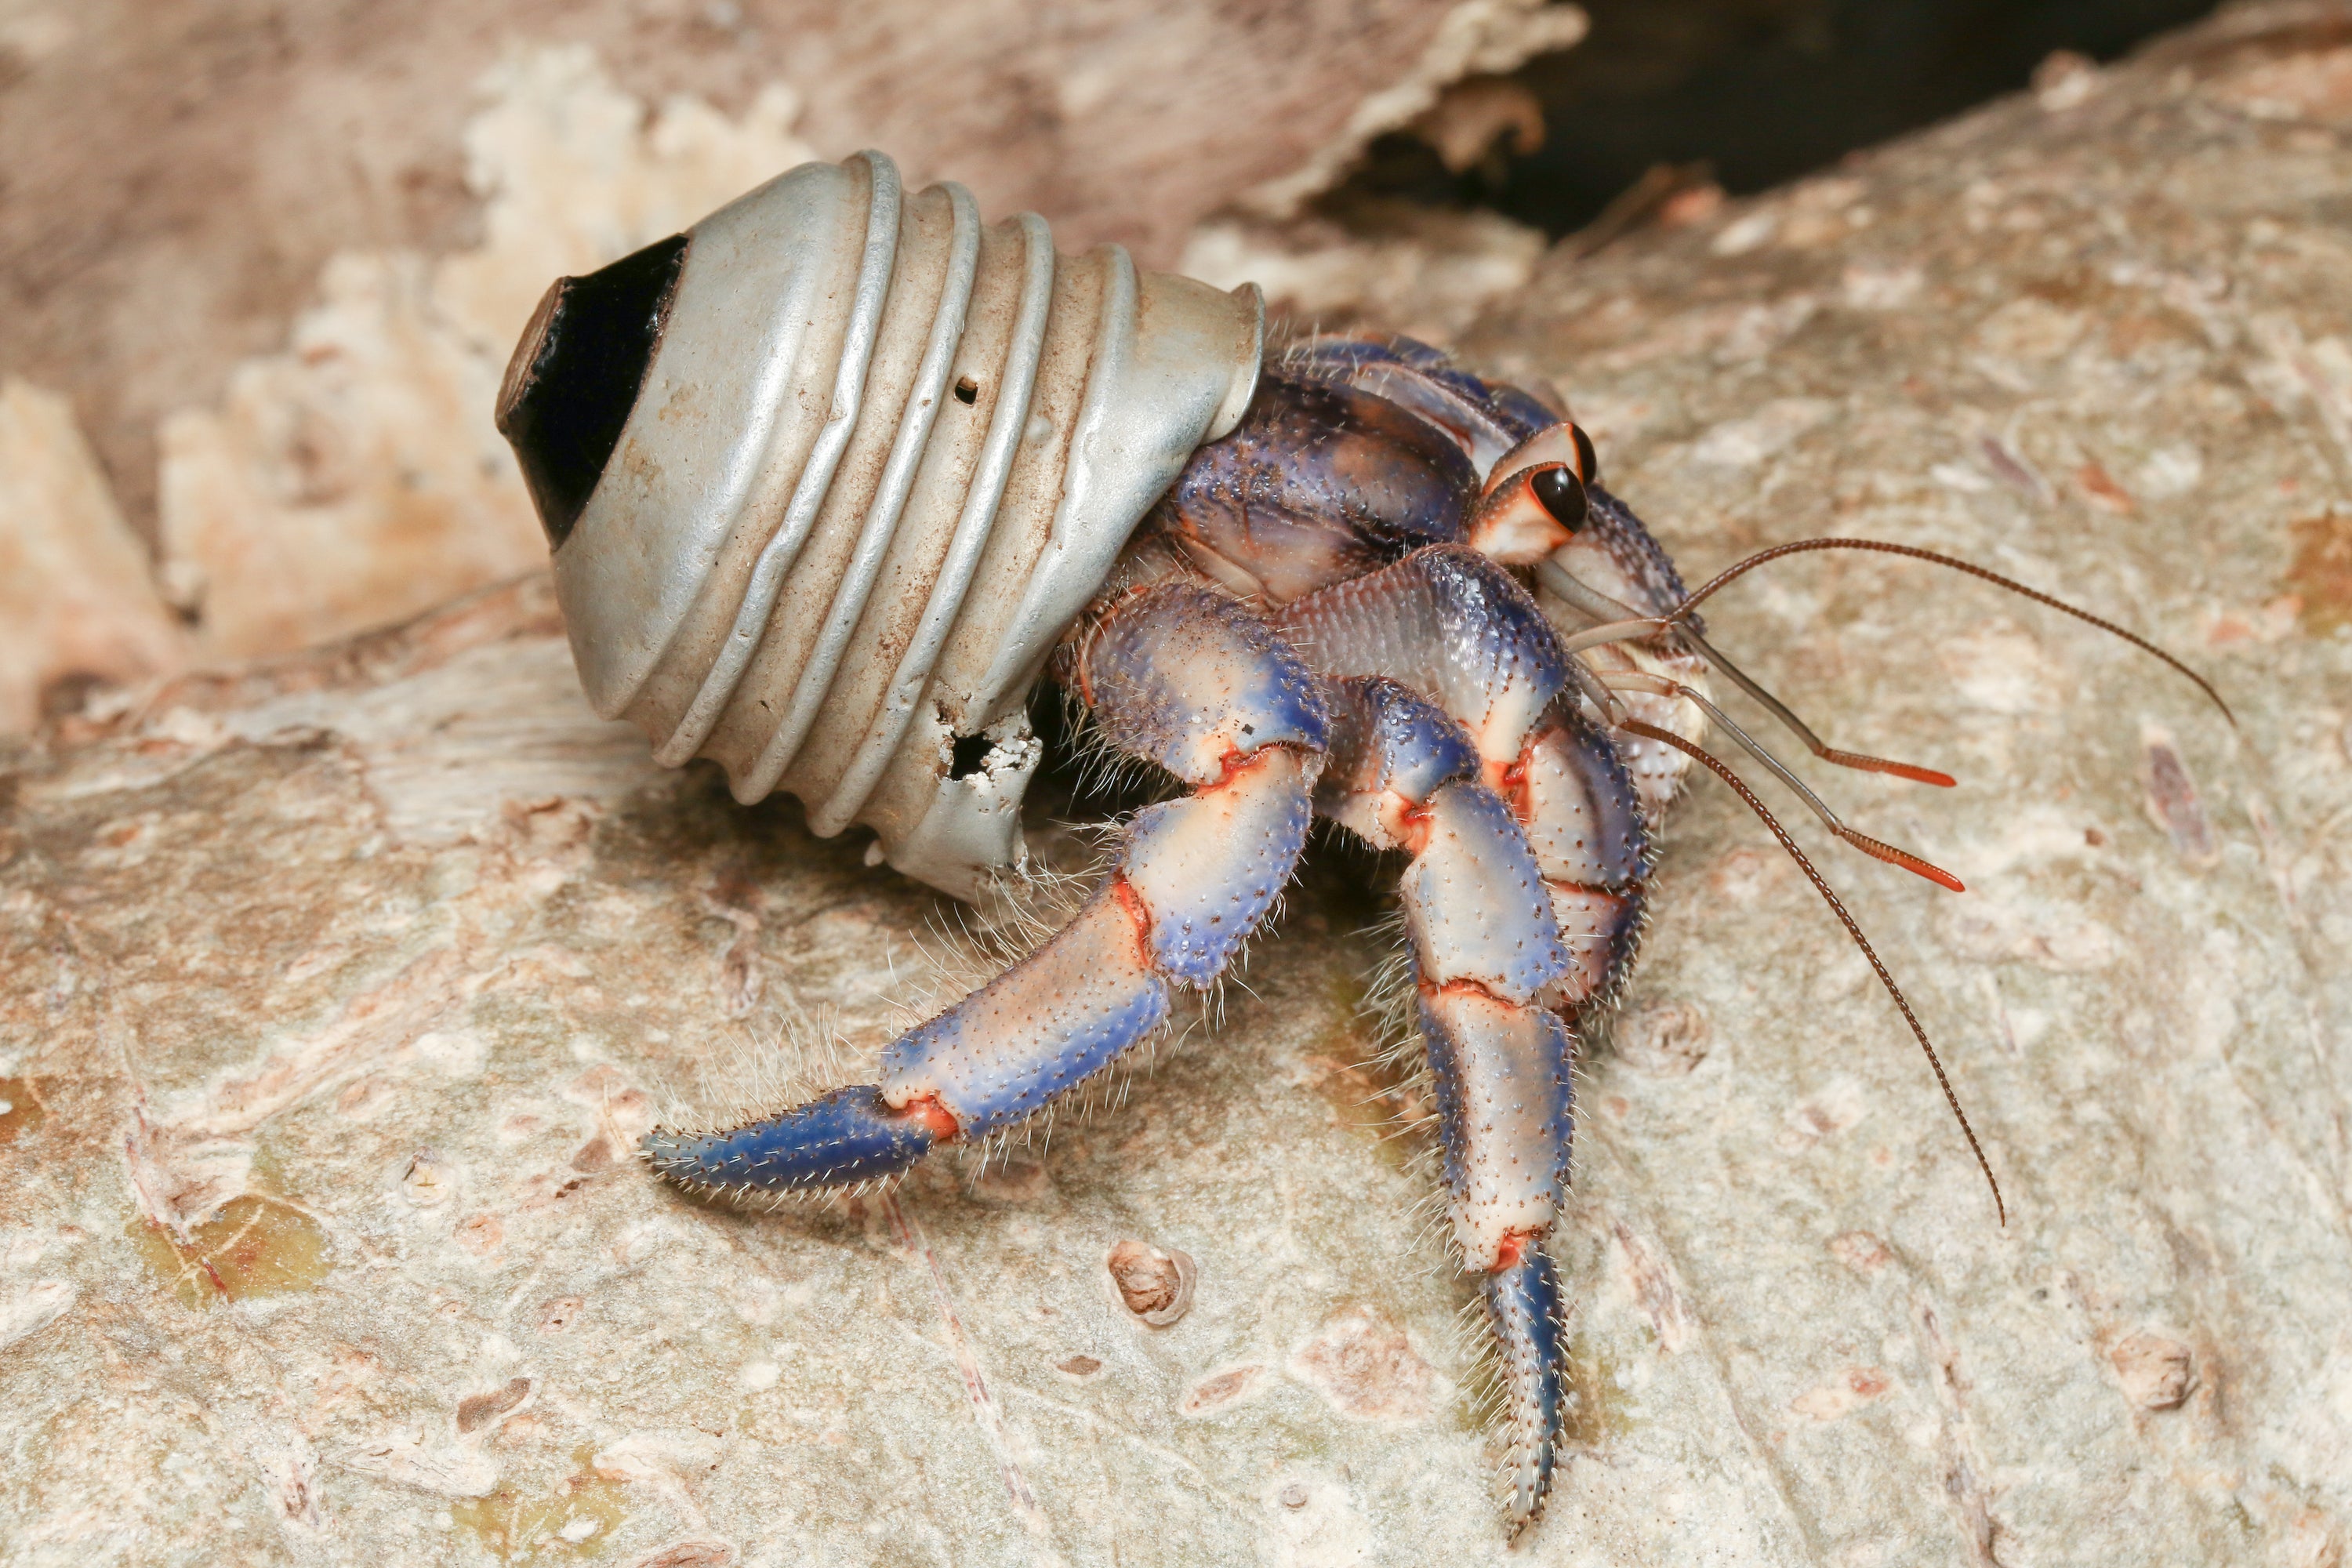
1486,955
1451,625
1180,677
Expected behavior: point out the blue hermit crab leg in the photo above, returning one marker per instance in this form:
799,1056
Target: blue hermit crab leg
1486,955
1582,815
1452,624
1176,676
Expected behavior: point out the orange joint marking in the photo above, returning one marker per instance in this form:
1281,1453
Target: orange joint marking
1511,783
1239,760
1137,911
1463,988
1512,1250
1406,820
934,1118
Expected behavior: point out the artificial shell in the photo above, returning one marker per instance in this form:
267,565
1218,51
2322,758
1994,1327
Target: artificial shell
828,475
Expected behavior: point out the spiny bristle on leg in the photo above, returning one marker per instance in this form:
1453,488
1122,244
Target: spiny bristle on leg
752,1073
844,1137
967,944
1391,996
1523,1308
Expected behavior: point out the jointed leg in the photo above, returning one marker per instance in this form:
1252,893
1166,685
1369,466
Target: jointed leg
1179,676
1486,955
1447,622
1582,812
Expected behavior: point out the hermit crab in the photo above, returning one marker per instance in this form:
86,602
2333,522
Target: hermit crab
836,478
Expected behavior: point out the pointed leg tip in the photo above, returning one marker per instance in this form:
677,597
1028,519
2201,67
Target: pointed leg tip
847,1136
1531,1490
1921,775
1523,1310
1863,763
1534,1465
1879,849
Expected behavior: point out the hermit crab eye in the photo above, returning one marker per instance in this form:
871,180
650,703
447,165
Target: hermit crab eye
1563,443
1562,493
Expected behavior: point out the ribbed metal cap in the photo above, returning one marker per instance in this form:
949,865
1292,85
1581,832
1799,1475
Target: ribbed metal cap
875,459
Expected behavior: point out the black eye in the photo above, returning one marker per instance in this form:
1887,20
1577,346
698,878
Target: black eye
1562,494
1588,461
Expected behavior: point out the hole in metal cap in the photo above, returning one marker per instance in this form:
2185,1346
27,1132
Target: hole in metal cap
576,373
969,754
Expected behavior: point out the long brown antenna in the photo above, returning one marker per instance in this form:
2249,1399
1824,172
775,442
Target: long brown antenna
1882,546
1764,813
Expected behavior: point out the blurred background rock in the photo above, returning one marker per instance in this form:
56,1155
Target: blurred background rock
261,262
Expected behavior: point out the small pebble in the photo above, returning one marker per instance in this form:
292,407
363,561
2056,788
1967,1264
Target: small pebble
1157,1285
2157,1373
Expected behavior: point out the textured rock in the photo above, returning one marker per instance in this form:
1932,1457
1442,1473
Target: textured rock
76,606
354,478
2093,338
333,993
144,251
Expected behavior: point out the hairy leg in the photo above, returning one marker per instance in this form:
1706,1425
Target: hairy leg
1600,544
1179,676
1449,623
1582,810
1485,956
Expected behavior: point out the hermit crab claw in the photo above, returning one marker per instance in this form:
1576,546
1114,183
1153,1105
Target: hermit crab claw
841,1139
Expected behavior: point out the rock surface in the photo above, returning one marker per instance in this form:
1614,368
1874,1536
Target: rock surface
348,477
144,251
333,993
77,608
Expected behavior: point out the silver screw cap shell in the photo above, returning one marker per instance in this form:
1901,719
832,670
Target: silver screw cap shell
875,459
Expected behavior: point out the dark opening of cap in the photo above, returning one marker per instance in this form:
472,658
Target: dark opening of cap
576,373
